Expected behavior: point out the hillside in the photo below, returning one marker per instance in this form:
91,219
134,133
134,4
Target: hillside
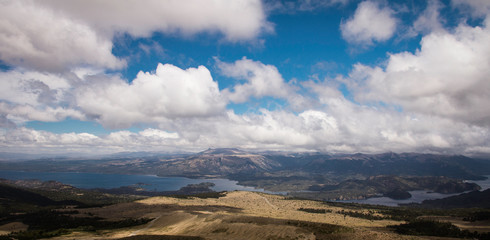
238,215
394,187
12,195
474,199
227,215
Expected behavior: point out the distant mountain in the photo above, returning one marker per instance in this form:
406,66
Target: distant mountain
409,164
395,187
145,154
220,162
271,168
23,156
8,156
224,151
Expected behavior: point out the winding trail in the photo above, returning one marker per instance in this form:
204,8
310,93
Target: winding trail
270,204
146,228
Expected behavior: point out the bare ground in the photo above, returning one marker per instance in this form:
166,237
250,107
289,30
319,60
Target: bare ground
238,215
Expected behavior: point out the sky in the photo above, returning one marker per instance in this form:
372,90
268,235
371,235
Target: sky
334,76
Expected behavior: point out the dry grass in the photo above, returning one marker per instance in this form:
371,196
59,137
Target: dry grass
238,215
273,206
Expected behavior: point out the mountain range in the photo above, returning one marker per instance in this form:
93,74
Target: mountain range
290,172
229,162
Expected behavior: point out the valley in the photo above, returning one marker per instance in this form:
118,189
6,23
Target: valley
305,175
309,209
244,119
35,210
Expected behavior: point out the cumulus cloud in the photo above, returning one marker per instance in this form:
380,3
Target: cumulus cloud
447,77
58,35
191,109
236,20
432,100
33,88
27,96
370,23
36,37
168,93
340,126
261,80
371,129
189,106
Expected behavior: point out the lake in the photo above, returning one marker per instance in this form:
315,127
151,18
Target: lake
417,196
150,182
155,183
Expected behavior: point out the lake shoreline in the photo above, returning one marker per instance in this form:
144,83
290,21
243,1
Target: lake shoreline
174,183
87,180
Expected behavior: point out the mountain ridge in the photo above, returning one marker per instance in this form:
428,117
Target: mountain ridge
290,172
224,162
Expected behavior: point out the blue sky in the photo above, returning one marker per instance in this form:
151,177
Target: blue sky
307,75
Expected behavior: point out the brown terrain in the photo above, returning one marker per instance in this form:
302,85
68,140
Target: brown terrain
12,227
238,215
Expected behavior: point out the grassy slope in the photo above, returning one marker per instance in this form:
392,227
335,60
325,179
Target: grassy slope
233,215
241,215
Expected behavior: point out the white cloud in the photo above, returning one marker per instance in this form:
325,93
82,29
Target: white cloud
168,93
429,21
36,37
441,88
24,139
23,113
147,138
447,77
157,134
189,111
336,125
27,96
236,20
339,126
61,35
261,80
370,23
33,88
372,129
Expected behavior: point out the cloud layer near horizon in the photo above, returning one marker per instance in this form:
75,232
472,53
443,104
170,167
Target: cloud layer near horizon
432,100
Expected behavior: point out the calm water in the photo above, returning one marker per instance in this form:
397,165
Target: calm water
484,184
98,180
417,196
